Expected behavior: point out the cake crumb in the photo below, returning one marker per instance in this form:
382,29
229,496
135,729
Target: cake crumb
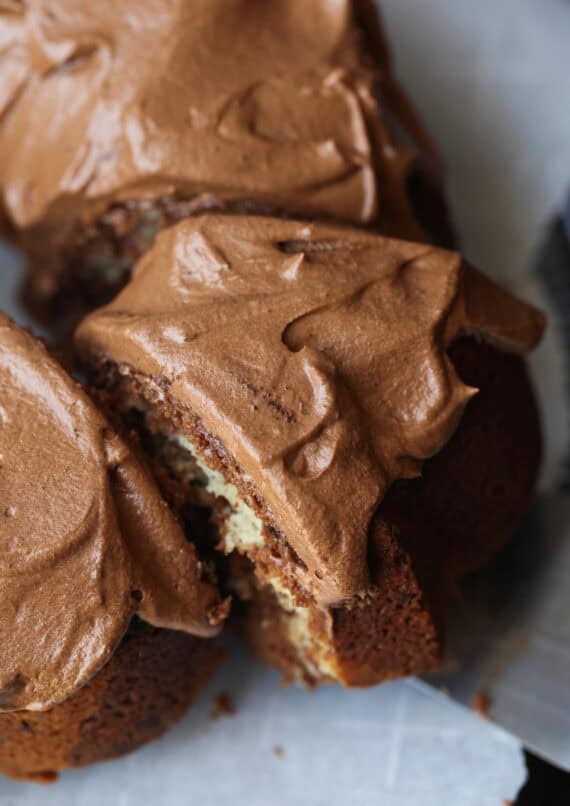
481,704
43,777
222,705
278,751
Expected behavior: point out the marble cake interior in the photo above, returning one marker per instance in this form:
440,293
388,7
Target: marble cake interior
227,527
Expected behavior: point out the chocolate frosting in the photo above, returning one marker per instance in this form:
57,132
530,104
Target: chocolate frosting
238,99
85,540
317,356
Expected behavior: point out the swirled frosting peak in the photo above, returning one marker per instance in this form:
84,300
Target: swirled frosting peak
288,102
317,356
85,539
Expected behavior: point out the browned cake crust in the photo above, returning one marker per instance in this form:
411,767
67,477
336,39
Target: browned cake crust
149,683
427,533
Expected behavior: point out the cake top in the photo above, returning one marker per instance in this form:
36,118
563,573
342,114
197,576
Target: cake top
86,540
238,99
316,355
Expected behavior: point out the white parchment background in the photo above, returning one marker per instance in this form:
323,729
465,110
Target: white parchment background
492,80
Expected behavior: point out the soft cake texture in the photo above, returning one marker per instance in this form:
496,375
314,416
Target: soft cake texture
309,366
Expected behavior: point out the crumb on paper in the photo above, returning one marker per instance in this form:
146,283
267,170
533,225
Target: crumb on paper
481,704
278,751
43,777
222,705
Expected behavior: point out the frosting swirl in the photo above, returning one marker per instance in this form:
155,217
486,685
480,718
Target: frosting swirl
238,99
318,357
85,539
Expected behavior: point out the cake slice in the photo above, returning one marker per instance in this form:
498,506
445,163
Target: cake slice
346,416
286,106
105,606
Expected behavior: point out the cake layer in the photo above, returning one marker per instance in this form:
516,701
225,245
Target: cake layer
310,355
293,382
426,534
149,683
86,541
